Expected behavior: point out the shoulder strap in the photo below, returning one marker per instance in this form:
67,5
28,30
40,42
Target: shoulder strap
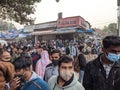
6,87
54,86
36,84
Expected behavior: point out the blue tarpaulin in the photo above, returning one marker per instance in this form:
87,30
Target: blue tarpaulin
85,31
23,35
12,34
9,36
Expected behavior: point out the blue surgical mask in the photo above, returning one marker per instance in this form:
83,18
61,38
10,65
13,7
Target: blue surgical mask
113,57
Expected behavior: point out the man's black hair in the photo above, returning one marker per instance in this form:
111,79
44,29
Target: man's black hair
65,59
111,41
43,47
81,48
55,51
22,62
24,48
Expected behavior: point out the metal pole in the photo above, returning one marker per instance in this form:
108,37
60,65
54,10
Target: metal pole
118,20
118,4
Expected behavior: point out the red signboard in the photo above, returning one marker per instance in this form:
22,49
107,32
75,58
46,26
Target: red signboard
71,22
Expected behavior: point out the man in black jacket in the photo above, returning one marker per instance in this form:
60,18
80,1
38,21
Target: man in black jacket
82,63
103,72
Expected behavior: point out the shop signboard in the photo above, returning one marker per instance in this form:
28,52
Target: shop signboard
71,22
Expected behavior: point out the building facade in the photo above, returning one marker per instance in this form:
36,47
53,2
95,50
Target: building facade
63,28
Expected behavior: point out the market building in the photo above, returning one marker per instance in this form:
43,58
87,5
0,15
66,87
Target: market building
69,28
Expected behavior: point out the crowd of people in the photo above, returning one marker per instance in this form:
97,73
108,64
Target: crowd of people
61,65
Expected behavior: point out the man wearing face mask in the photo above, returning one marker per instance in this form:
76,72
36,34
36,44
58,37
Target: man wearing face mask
52,68
66,79
103,72
25,78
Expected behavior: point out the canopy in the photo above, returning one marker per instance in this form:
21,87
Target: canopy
85,31
42,32
64,31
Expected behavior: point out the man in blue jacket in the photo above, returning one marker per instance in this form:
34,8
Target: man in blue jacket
25,78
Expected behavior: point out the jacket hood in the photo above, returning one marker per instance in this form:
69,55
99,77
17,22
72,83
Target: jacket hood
71,84
34,76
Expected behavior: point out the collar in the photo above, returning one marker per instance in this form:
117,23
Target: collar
67,82
33,76
105,63
99,63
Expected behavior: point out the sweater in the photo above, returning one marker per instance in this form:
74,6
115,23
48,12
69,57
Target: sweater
74,85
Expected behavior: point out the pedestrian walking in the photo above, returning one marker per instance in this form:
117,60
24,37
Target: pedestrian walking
102,73
66,79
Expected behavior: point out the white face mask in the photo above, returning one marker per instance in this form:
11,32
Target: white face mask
66,75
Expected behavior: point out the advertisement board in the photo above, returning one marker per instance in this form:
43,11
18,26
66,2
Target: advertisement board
71,22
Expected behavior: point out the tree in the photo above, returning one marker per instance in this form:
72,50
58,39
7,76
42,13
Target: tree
18,10
4,26
111,29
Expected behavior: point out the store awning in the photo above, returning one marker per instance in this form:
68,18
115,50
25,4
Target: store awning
64,31
53,32
42,32
60,32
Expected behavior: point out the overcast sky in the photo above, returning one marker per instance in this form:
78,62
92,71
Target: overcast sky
98,12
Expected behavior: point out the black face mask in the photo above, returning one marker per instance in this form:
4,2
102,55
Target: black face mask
55,62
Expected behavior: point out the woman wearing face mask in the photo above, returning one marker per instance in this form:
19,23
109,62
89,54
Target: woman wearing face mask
42,62
66,79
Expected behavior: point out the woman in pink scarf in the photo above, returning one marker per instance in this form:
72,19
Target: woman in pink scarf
42,63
